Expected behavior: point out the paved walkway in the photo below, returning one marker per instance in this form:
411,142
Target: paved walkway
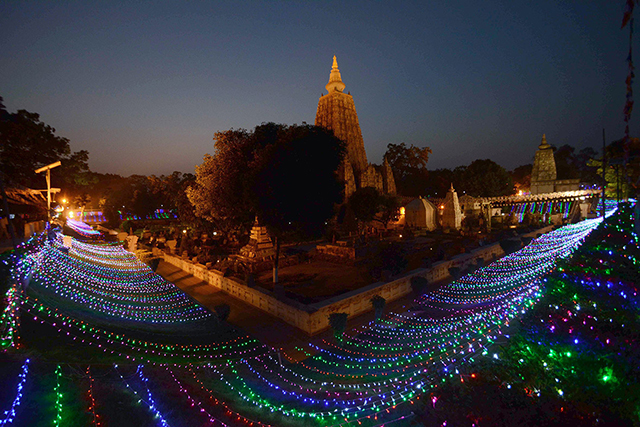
259,324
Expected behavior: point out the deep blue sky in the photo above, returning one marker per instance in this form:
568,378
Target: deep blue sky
143,86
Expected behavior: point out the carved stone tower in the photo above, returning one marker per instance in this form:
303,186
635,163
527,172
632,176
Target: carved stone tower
337,112
543,175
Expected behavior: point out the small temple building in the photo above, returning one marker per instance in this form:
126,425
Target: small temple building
421,213
337,112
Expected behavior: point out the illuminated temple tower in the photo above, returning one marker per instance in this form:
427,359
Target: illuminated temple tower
543,175
337,112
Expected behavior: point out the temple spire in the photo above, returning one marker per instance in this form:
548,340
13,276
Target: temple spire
335,81
543,143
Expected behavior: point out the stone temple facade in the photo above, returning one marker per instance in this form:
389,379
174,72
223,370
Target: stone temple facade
543,175
337,112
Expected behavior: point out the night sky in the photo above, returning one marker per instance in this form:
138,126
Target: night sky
144,86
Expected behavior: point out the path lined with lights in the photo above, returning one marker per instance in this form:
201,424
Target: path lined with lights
361,380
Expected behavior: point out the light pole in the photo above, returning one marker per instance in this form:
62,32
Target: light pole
48,169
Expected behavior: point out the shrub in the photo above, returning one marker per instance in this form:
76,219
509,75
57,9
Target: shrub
338,322
510,245
418,284
378,304
455,272
222,311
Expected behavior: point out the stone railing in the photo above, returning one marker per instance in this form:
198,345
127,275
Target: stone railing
346,252
33,228
314,318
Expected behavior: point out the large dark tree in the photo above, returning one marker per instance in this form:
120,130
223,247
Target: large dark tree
409,166
566,163
222,192
486,178
286,175
439,181
171,193
132,196
623,172
367,204
522,177
26,144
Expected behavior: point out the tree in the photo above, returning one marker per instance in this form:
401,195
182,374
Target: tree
409,166
623,173
566,163
26,144
81,201
170,192
222,192
439,181
485,178
133,196
522,177
389,209
588,174
286,175
367,205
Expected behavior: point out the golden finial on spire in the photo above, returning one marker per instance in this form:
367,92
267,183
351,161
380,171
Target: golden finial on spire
543,143
335,81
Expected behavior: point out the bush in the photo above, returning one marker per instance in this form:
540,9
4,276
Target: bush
153,263
378,304
510,245
338,322
127,225
222,311
418,284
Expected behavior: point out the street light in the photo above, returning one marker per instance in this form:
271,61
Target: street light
48,169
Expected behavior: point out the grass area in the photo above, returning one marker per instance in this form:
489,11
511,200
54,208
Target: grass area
573,360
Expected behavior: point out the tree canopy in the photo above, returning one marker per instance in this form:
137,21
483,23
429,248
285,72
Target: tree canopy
284,174
367,204
522,177
482,178
26,144
409,166
623,170
486,178
141,195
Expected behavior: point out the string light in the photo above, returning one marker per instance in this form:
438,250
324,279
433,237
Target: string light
10,414
58,403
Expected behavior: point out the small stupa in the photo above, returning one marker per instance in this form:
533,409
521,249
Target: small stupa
260,246
451,215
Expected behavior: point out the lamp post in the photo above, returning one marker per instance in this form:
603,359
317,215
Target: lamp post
48,170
